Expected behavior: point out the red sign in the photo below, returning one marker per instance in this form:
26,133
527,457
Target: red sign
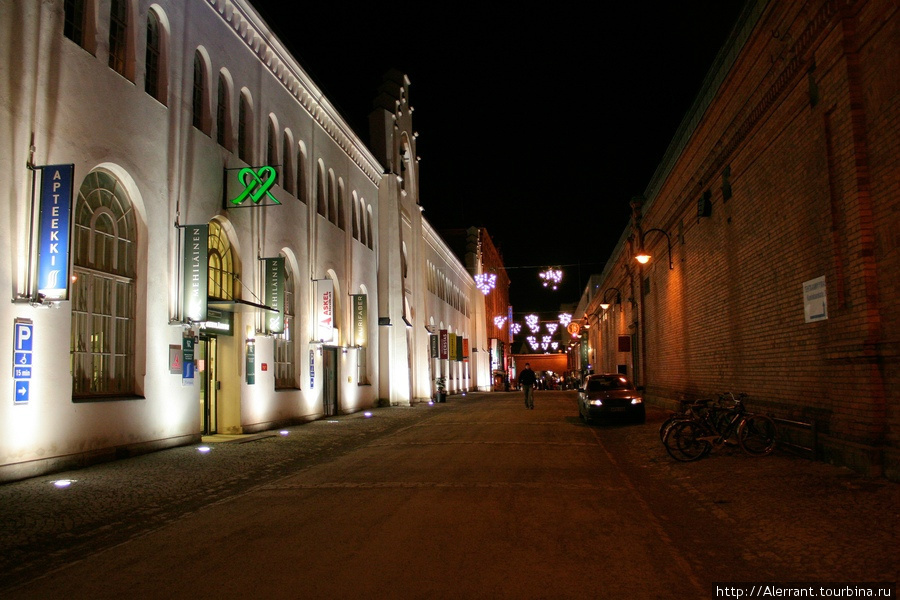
445,344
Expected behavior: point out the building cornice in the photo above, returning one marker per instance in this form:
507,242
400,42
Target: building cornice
274,57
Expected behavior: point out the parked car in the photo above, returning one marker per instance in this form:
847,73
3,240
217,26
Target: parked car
610,395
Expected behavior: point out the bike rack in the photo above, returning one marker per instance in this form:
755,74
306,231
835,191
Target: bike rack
814,432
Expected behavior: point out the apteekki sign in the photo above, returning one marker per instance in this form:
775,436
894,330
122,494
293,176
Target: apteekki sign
54,223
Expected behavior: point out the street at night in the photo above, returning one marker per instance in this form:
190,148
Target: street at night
475,498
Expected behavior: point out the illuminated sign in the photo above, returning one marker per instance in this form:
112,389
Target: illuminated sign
444,341
274,293
55,213
247,183
324,310
195,279
360,318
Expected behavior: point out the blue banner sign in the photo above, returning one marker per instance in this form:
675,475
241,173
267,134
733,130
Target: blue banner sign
53,223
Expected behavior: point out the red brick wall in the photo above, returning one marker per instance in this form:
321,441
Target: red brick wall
815,192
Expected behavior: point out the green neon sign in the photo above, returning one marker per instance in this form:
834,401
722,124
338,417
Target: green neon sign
256,185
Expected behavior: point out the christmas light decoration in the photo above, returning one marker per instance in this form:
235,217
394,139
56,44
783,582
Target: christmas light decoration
565,319
515,328
551,327
532,341
533,322
554,345
486,282
499,321
552,277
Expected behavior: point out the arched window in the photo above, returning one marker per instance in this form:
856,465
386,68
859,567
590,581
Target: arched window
332,198
223,112
152,58
341,206
199,96
287,166
370,241
301,175
354,216
118,36
244,132
103,290
223,271
321,191
284,342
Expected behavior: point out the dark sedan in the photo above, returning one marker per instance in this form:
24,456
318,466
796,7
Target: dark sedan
610,395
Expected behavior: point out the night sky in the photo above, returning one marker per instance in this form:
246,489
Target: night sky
539,124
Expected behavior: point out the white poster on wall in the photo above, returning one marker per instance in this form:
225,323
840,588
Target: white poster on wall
815,300
324,310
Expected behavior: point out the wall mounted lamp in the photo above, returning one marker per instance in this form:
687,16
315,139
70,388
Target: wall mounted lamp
604,305
642,256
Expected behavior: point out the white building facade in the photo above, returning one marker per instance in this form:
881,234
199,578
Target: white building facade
226,258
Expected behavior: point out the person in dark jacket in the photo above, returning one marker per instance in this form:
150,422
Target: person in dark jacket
526,382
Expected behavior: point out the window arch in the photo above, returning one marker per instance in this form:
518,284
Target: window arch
224,273
341,206
301,173
354,216
200,94
155,71
284,342
321,191
332,197
370,241
272,145
245,131
103,289
224,134
287,166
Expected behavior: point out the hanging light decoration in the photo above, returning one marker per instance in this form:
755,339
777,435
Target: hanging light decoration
515,328
551,327
532,341
552,277
554,345
486,282
499,321
533,322
565,319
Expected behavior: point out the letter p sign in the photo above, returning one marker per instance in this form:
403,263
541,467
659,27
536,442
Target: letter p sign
23,336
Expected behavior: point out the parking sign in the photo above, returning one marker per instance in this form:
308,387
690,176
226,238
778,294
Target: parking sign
23,338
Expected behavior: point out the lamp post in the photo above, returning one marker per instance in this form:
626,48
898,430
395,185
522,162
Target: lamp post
604,304
642,256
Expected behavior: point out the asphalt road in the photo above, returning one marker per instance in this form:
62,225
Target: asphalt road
476,498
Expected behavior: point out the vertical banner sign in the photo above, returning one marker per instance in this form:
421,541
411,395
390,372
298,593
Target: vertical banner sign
324,310
453,346
54,231
360,318
433,345
312,369
187,363
465,350
445,351
195,279
274,284
250,362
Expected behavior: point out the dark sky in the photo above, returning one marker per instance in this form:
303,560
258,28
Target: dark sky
539,124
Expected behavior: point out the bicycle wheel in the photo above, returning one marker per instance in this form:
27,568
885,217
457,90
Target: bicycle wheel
683,441
757,435
671,420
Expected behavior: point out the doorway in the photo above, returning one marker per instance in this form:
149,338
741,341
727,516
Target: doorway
209,385
330,381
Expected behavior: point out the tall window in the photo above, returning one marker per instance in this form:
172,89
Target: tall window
73,28
223,273
222,107
341,209
354,216
272,148
118,35
103,291
321,191
243,130
287,166
284,342
198,96
154,43
301,176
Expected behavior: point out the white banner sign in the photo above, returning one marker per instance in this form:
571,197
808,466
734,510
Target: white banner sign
324,310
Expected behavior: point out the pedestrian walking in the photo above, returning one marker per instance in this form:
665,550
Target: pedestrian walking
526,382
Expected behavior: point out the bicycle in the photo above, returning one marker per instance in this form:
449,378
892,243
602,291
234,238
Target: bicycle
690,439
714,411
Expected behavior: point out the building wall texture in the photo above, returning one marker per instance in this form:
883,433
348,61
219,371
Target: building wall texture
785,171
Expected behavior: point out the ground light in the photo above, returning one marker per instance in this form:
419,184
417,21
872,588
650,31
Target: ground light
63,483
367,414
283,432
203,449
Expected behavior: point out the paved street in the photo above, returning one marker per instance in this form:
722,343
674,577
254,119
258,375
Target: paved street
475,498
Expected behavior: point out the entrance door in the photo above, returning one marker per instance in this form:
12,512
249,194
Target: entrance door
330,381
209,385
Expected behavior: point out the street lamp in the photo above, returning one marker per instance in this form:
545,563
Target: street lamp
604,305
642,256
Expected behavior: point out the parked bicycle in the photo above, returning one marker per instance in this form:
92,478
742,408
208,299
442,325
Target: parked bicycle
712,410
692,438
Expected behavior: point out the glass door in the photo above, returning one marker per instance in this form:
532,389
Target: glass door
209,385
